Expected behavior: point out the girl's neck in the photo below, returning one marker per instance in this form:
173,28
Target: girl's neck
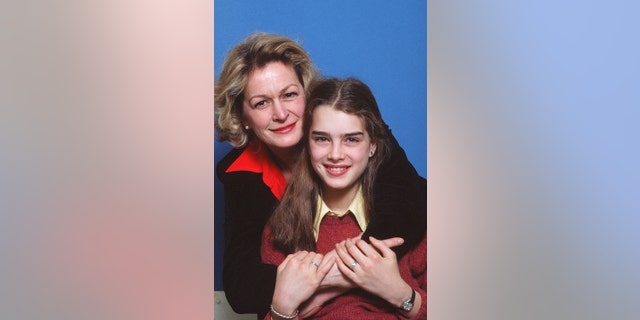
339,200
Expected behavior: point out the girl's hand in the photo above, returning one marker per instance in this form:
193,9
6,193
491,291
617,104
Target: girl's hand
298,277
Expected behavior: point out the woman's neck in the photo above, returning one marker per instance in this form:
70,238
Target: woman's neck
285,159
339,200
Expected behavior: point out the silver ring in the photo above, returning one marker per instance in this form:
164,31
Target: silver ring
314,263
354,264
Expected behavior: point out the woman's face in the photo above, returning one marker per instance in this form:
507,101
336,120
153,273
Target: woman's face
274,105
339,148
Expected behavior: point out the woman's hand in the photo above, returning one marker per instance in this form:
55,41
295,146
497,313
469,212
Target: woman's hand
298,277
374,268
335,278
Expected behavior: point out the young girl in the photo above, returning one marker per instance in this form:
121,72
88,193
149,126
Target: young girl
327,205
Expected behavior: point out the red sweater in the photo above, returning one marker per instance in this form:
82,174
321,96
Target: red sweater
357,303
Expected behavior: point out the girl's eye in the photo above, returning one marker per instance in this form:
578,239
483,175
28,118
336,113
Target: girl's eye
353,140
320,139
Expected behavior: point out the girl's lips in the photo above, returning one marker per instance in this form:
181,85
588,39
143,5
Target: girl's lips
285,129
336,171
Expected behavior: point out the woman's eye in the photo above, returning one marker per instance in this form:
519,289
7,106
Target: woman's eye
353,140
290,94
260,104
320,139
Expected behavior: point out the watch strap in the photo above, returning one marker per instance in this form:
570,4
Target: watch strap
408,304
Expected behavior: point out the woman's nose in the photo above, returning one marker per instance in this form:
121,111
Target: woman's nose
280,112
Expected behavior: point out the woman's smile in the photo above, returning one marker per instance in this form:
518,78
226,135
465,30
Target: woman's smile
285,129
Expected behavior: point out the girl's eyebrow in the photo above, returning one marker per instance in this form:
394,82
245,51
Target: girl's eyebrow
350,134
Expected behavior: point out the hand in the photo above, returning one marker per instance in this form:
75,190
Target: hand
298,277
374,268
334,283
336,279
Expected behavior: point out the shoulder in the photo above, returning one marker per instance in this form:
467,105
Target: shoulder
226,162
245,181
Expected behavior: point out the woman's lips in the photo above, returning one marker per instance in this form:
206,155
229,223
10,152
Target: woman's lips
285,129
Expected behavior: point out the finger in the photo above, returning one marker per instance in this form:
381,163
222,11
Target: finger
367,249
286,260
300,255
344,261
323,269
345,258
355,252
384,250
313,258
346,270
298,259
328,259
331,254
392,242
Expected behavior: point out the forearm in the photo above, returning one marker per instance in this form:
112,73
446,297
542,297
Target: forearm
315,303
249,288
400,205
248,282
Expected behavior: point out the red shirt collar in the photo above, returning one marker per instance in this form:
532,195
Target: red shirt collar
255,158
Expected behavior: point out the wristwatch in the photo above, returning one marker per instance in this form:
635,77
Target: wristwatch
408,305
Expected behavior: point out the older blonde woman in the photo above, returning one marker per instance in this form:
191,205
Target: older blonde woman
260,98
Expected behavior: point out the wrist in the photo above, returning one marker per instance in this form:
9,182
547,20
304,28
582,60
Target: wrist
400,296
285,304
276,314
407,305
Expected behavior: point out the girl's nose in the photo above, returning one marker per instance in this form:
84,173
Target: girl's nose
336,152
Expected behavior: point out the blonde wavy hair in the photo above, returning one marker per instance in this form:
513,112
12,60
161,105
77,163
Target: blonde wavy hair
254,52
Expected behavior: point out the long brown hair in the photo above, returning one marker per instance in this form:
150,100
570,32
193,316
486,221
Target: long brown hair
292,221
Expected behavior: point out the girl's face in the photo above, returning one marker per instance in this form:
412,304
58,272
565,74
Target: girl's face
274,104
339,148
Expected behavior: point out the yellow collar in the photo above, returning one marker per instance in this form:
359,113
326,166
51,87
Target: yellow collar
356,208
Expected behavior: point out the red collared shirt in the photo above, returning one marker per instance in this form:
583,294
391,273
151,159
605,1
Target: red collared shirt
255,158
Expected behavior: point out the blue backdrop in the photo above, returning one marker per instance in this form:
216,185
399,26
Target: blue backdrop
381,42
